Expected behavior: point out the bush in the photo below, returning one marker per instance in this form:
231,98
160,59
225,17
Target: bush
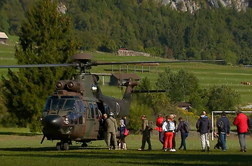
136,112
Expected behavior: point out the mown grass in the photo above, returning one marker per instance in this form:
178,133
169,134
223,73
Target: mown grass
26,150
208,74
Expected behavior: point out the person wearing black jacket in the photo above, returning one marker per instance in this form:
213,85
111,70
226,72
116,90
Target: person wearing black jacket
223,126
184,134
204,127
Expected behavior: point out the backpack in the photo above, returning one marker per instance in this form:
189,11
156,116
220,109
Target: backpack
187,127
171,126
221,126
249,121
150,125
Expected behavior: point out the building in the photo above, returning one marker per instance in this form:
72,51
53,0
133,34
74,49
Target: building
122,77
184,105
126,52
3,38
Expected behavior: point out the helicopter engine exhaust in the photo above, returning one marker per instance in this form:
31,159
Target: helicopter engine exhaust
60,85
73,86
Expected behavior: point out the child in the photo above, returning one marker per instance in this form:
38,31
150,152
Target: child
219,143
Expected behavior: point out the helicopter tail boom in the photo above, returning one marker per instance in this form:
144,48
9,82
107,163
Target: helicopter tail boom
128,92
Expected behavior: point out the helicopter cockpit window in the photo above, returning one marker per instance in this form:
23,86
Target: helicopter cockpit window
64,103
91,111
70,105
72,117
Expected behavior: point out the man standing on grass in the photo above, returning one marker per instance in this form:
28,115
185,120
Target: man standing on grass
204,127
159,123
111,126
223,129
146,133
241,121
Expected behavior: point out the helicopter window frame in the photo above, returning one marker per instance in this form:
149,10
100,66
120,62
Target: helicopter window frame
117,108
106,109
81,106
80,111
54,102
72,103
91,111
97,111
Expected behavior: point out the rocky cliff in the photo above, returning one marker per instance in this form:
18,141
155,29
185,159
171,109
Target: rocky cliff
192,5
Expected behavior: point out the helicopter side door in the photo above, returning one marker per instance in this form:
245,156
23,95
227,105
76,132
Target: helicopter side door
98,116
80,126
90,122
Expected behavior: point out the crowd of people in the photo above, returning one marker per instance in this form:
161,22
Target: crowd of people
167,128
110,132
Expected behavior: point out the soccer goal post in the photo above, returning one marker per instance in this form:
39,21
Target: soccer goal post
218,112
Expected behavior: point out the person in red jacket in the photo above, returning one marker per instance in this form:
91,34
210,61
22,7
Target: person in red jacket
159,124
241,121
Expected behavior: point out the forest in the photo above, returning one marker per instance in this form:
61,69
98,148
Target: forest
150,27
107,26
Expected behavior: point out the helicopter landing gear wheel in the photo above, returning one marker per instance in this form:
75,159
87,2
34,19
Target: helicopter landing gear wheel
58,146
65,146
84,144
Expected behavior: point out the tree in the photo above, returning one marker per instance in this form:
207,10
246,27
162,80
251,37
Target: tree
44,38
156,101
143,98
180,86
136,111
222,98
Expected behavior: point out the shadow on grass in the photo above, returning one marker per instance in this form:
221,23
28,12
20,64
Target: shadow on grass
38,149
134,157
19,133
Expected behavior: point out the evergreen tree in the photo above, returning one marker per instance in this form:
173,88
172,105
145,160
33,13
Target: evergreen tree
44,38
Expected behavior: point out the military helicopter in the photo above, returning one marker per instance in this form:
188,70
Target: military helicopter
73,111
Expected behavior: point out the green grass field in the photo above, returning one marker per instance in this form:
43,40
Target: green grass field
18,147
208,74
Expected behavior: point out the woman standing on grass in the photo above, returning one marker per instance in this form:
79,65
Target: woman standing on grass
168,129
122,126
183,132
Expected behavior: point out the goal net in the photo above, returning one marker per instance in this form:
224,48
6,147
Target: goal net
231,119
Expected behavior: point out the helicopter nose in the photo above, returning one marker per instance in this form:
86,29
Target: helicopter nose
53,121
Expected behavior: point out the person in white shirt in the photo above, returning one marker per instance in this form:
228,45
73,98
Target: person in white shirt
168,128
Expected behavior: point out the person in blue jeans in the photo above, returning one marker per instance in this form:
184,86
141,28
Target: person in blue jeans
223,126
184,134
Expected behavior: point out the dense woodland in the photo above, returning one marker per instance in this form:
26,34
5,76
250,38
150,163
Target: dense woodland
151,27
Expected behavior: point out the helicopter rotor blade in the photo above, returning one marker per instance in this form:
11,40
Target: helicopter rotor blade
41,65
148,91
95,63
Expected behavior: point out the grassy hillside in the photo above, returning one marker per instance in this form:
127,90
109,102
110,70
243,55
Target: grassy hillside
208,74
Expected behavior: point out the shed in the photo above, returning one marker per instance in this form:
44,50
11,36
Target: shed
122,77
3,38
184,105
